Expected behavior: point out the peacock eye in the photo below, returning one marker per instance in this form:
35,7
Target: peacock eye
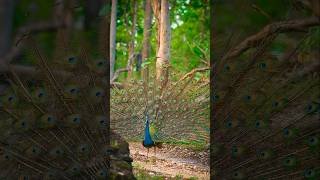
238,175
7,157
309,173
49,119
72,60
229,124
286,132
290,161
235,150
275,104
313,141
102,173
98,94
40,95
100,63
10,98
227,67
73,90
75,119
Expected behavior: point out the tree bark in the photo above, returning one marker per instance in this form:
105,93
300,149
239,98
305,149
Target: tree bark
163,56
156,7
132,34
6,18
146,31
113,26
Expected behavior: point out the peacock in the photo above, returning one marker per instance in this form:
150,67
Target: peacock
265,106
150,112
54,123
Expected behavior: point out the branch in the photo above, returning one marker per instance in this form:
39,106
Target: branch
269,30
126,69
191,73
24,31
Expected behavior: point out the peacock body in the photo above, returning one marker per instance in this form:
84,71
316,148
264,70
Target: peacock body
176,113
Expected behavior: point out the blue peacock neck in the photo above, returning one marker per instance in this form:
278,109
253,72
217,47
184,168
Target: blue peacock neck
147,142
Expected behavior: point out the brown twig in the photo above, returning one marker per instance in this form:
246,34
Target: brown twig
191,73
269,30
126,69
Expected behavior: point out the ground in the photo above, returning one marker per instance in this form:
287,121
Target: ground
169,162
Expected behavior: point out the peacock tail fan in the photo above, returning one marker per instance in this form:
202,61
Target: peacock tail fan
178,112
54,124
266,117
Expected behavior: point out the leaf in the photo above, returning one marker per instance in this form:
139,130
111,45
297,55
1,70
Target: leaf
144,64
197,76
197,51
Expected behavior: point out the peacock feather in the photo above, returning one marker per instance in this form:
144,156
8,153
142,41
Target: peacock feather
265,111
176,113
54,124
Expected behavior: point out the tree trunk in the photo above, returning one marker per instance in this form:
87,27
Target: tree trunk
156,7
163,56
113,26
6,18
146,31
132,34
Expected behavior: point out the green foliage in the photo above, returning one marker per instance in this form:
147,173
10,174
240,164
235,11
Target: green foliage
189,35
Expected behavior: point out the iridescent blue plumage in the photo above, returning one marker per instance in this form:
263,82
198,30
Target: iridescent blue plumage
147,141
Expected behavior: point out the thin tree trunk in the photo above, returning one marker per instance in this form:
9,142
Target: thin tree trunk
133,33
146,31
156,7
6,18
113,37
163,56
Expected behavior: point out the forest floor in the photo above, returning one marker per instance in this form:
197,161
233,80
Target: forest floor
169,162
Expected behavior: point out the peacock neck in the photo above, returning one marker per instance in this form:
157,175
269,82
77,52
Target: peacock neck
147,136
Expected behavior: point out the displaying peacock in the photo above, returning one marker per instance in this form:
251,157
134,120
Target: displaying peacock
265,102
178,112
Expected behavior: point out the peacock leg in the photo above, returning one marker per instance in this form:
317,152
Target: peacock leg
147,153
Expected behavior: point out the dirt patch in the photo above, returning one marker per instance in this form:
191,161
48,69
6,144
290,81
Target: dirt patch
171,161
